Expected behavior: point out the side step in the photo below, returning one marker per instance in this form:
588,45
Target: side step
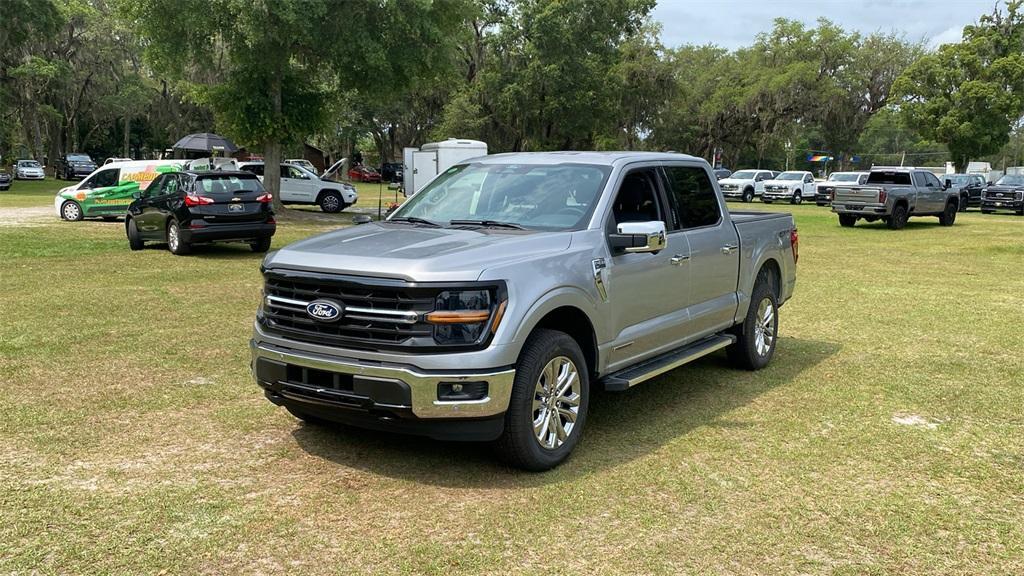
658,365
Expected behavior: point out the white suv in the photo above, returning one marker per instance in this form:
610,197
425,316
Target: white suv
300,186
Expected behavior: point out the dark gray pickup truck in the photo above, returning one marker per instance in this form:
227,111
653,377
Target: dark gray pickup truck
893,195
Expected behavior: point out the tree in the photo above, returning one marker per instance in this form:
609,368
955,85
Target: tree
969,95
269,69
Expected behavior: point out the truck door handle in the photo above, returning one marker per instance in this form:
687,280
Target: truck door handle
679,259
729,248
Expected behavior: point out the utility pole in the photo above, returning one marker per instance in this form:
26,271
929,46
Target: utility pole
903,158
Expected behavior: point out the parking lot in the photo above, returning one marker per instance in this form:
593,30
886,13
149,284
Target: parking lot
884,437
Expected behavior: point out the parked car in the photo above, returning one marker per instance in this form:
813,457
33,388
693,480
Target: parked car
892,195
108,191
721,173
969,186
391,171
188,208
300,186
306,164
363,173
74,165
745,184
28,170
792,187
827,188
491,303
1006,194
5,180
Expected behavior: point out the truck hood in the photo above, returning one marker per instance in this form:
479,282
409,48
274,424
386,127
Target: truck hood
414,253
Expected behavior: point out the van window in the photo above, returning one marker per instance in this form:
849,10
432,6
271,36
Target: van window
102,179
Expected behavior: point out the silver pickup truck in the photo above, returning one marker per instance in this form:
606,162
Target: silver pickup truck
492,303
893,195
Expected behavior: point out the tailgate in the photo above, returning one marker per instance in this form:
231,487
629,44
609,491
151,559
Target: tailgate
234,199
857,194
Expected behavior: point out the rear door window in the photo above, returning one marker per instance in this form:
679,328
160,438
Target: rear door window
692,196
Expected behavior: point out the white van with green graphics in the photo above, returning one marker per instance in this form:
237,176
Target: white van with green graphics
107,192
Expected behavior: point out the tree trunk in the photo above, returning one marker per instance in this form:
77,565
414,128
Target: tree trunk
272,150
127,133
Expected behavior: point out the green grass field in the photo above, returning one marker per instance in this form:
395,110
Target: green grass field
885,437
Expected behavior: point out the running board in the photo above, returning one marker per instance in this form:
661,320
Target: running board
625,379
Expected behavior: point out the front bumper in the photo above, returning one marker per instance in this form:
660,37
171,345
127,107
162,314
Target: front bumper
1002,204
81,171
386,393
28,176
787,196
228,232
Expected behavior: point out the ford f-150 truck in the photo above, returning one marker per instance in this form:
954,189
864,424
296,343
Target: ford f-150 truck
893,195
492,303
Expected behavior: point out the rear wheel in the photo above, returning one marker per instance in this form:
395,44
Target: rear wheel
963,204
748,195
331,202
261,245
948,216
134,238
898,219
757,336
72,211
175,243
847,220
548,407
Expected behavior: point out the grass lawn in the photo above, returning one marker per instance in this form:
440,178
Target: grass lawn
886,436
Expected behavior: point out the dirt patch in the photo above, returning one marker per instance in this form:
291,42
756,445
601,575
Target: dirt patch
26,217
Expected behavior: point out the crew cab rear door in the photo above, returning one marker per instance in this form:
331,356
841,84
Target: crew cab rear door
700,214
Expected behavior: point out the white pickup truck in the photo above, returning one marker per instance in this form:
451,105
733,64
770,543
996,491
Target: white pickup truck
792,186
745,184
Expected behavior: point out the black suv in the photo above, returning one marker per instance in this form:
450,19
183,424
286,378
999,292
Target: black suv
186,208
391,172
74,165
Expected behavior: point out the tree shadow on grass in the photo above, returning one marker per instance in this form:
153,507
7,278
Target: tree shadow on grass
620,427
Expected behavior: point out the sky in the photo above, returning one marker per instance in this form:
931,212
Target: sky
734,23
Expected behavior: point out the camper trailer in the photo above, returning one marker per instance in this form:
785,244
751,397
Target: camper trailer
423,163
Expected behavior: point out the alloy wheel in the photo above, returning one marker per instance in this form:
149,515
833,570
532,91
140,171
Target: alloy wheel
556,402
329,203
172,237
764,327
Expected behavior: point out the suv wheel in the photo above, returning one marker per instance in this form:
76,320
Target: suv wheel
898,219
134,239
261,245
72,211
331,202
948,216
748,195
177,246
548,407
758,335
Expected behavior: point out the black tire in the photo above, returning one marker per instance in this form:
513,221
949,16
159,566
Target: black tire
261,245
331,202
963,204
798,197
518,444
175,244
748,195
847,220
71,211
898,219
749,352
135,241
948,216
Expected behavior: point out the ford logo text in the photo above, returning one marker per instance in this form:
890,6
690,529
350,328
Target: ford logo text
324,310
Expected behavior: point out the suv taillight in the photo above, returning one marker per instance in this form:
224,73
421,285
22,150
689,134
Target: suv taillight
194,200
265,198
794,241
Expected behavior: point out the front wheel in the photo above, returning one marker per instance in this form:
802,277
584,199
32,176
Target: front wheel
331,202
798,198
71,211
175,243
757,336
548,407
948,216
748,195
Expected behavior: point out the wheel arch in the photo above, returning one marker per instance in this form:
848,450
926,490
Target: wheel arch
576,324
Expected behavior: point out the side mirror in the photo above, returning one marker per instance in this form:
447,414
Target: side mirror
361,219
990,183
635,237
947,184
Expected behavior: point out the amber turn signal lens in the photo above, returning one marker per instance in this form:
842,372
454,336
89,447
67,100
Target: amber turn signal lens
467,317
498,315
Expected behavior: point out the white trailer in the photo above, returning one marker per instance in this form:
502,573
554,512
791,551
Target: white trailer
421,165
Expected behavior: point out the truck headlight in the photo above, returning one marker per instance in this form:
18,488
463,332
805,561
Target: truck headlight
462,316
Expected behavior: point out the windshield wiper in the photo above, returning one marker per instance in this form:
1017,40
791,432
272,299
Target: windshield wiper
415,220
487,223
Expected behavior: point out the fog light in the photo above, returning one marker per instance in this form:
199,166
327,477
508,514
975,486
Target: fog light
461,391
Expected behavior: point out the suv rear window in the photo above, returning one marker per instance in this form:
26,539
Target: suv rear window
228,184
889,177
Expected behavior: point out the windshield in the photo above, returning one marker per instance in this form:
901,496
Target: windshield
28,163
958,179
790,176
540,197
79,158
744,175
1011,180
844,177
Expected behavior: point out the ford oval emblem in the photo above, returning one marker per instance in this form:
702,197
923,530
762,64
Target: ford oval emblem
325,310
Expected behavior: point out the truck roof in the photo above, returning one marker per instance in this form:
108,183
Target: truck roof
599,158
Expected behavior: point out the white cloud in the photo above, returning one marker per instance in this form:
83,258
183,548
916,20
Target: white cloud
950,35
